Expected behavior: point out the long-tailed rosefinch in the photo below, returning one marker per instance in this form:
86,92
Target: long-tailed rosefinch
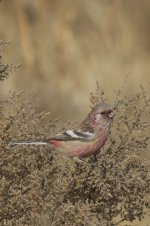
86,139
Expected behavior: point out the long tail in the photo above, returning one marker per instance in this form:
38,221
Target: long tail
15,145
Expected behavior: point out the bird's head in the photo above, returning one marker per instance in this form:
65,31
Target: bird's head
101,115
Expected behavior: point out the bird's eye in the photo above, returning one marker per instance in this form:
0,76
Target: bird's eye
103,112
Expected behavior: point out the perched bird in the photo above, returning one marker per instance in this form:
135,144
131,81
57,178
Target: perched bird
83,141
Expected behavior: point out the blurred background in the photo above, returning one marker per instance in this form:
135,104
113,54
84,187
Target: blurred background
64,47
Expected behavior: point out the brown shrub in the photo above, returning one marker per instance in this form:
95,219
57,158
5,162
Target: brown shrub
5,69
39,187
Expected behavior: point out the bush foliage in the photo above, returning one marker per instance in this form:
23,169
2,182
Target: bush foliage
38,186
5,69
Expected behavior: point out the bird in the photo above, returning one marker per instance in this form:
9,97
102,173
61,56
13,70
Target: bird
85,140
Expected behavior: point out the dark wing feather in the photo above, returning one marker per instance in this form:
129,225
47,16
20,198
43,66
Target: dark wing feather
72,135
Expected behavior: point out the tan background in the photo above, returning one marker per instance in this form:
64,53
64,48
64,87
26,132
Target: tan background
65,46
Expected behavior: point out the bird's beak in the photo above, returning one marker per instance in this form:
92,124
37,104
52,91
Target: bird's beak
111,115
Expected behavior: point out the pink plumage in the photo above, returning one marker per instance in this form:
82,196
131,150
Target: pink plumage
86,139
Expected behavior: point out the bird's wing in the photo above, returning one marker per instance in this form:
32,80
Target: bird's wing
73,135
82,133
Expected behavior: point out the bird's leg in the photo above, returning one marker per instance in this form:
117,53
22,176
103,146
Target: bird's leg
95,158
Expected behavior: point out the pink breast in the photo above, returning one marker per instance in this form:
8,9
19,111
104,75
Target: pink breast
85,151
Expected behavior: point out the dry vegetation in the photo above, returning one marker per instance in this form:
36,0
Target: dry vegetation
70,44
5,69
39,187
